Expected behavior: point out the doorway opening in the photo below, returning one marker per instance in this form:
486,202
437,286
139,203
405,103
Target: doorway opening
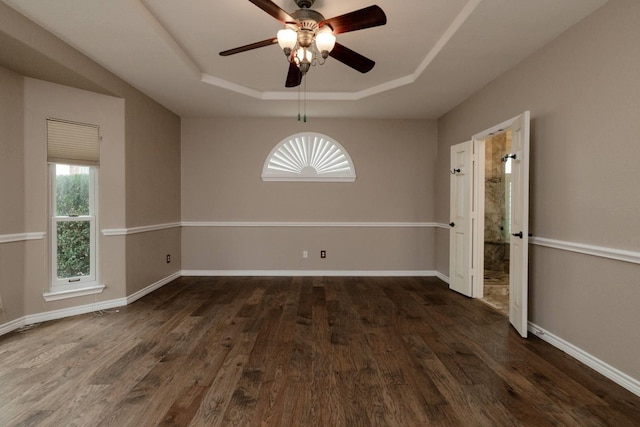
467,209
497,220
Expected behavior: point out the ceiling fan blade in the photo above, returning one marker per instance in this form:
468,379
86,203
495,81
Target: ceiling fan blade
274,10
294,76
351,58
368,17
251,46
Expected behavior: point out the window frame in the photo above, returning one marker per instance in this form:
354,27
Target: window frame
71,284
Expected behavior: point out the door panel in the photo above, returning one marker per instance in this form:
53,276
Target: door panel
519,242
461,186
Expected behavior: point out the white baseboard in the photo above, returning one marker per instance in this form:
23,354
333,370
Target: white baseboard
59,314
83,309
5,328
620,378
311,273
74,311
442,277
157,285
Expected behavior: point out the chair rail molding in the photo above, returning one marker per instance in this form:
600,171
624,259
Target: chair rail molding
141,229
396,224
21,237
581,248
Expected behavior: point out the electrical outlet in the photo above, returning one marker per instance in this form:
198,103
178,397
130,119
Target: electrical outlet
305,254
168,258
323,254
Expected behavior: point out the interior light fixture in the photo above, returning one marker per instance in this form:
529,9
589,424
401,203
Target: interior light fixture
305,43
308,38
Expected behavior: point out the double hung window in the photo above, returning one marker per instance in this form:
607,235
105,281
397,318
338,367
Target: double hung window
73,225
73,174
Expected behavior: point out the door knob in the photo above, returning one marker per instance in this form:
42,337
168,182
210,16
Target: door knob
452,224
517,234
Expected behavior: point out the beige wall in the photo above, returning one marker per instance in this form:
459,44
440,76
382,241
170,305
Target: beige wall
152,191
147,254
11,153
222,161
152,163
359,249
11,194
42,100
140,178
583,93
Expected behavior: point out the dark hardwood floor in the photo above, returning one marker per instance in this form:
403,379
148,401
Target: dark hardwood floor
299,352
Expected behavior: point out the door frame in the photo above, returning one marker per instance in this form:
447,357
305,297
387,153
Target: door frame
479,146
479,204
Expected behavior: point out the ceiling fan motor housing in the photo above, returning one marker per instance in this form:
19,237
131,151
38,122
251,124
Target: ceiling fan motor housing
308,20
305,3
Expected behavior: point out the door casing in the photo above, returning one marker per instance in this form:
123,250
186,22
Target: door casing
476,264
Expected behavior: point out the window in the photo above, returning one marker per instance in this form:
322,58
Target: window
73,156
73,225
308,156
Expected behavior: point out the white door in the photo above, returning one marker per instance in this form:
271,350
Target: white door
460,268
519,242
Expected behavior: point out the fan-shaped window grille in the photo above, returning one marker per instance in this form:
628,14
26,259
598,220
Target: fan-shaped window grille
308,156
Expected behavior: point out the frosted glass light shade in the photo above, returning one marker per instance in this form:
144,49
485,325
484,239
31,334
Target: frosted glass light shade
304,55
287,38
325,41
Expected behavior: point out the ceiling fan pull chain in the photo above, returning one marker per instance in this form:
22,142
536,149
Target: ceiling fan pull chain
299,103
305,100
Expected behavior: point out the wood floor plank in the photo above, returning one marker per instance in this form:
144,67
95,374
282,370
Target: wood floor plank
31,418
184,408
270,407
244,401
299,351
221,393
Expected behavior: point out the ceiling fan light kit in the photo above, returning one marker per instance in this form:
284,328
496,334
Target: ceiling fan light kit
309,39
304,42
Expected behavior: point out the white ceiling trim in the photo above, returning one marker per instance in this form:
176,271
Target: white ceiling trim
458,21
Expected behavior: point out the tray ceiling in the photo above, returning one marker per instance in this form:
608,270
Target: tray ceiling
431,55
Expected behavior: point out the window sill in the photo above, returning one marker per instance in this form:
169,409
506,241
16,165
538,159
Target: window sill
90,289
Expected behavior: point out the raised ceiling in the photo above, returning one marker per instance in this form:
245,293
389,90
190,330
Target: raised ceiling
431,55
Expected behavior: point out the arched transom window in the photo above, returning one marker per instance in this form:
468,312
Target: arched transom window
308,156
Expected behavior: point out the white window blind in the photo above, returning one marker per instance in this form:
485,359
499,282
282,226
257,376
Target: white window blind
73,143
309,156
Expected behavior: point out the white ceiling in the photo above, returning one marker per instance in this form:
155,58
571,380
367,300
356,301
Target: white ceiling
431,55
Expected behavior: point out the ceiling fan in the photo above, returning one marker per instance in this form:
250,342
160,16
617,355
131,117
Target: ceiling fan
308,38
